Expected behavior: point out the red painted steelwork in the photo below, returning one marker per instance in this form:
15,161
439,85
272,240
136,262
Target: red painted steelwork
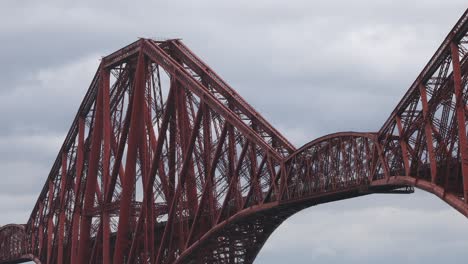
166,163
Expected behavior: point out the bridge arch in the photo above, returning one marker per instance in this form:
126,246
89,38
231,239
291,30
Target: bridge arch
381,170
330,168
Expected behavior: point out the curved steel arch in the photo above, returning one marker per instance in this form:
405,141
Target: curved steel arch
311,144
330,168
166,163
396,173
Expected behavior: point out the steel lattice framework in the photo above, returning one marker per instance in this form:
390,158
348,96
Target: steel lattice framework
166,163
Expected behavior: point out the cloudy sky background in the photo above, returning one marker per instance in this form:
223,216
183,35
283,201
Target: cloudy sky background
309,68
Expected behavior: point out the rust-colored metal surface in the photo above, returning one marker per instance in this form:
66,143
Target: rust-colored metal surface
166,163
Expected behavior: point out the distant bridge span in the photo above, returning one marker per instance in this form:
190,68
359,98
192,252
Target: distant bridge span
166,163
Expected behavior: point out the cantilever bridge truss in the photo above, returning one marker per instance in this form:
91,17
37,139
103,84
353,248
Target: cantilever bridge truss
166,163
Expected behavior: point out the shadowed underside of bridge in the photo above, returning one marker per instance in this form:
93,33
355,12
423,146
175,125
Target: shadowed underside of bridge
166,163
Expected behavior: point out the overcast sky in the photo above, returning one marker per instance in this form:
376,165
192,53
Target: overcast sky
311,68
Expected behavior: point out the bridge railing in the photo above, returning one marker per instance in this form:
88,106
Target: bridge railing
331,163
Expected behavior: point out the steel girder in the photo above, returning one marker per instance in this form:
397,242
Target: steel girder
166,163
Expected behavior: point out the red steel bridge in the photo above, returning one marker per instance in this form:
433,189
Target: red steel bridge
166,163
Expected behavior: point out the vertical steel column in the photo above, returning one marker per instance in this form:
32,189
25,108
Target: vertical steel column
135,131
207,198
40,230
185,132
233,183
283,188
141,234
254,181
76,209
50,220
33,233
145,215
147,210
62,207
147,148
460,112
166,119
91,182
182,177
404,147
232,158
383,160
209,161
255,188
428,132
106,119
